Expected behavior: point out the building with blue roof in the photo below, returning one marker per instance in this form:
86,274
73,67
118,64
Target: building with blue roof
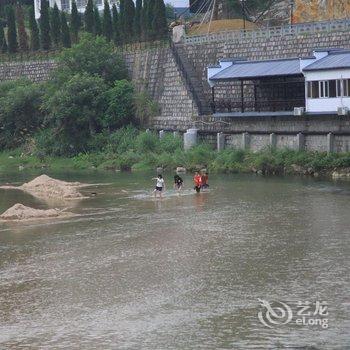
316,84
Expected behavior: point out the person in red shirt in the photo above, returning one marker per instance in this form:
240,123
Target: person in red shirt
197,179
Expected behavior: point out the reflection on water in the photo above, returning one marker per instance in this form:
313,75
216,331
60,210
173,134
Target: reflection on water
185,272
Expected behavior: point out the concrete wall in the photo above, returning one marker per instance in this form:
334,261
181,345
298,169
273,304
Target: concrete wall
258,142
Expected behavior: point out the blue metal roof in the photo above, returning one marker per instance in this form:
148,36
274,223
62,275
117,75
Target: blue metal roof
259,69
335,60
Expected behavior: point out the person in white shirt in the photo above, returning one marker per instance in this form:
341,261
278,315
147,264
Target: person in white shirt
160,186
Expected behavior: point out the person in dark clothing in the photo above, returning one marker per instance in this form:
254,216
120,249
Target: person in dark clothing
178,183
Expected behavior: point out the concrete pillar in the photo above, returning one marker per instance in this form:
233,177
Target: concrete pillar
161,134
300,142
220,141
245,141
330,143
273,140
176,134
190,138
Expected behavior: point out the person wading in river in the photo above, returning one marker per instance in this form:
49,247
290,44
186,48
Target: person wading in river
205,179
197,179
178,183
160,186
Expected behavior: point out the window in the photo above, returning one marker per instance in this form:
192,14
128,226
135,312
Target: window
328,88
324,88
333,88
312,89
339,88
65,5
81,3
346,87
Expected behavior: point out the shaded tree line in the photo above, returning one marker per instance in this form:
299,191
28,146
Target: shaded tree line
18,33
144,20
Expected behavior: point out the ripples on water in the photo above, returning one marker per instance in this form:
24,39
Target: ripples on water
182,273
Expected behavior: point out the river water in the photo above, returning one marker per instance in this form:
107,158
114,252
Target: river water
186,272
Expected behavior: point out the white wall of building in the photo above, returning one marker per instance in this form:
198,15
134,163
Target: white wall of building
314,105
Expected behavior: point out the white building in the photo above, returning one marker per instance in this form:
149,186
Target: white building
66,5
328,82
319,83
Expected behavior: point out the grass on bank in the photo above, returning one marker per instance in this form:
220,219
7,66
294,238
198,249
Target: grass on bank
130,149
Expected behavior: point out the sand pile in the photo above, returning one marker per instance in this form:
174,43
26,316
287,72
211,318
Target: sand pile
220,25
20,212
45,187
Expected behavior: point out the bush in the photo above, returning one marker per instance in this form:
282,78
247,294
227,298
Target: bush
145,108
120,109
199,156
127,160
147,142
74,112
95,56
20,114
122,140
169,143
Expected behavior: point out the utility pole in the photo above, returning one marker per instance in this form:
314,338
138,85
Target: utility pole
243,12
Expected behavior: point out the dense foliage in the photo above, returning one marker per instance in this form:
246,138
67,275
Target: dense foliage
88,98
20,114
129,22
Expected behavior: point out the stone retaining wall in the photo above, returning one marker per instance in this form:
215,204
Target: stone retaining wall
156,71
34,70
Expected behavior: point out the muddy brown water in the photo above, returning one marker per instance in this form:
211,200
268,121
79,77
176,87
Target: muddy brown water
187,272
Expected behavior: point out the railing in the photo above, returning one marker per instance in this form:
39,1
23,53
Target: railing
223,106
287,30
187,78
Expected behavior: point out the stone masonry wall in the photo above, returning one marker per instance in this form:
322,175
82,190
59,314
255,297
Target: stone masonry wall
156,71
201,55
34,70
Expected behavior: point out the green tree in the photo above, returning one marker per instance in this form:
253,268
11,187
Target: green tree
137,20
129,15
34,31
55,26
120,109
89,17
107,27
92,55
65,34
22,34
20,112
116,26
11,30
75,22
3,43
44,25
75,112
159,22
97,22
147,19
122,19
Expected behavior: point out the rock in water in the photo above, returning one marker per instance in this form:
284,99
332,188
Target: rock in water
21,212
